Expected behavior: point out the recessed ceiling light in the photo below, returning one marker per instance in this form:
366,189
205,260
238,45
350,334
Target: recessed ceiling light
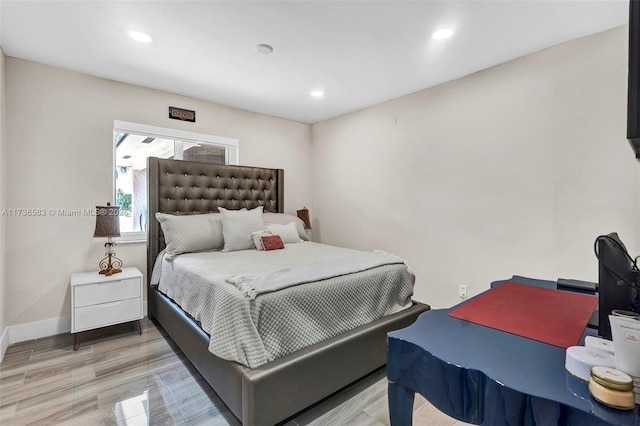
442,34
141,37
265,49
317,93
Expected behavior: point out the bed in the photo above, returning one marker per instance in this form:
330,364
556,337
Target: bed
276,390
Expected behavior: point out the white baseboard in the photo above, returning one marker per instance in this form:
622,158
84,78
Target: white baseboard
39,329
4,342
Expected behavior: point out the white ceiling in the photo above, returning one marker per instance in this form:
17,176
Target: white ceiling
360,52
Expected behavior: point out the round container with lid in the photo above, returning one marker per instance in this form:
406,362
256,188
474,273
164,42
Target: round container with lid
612,388
580,359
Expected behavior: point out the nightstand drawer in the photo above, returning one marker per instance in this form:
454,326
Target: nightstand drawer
93,294
94,316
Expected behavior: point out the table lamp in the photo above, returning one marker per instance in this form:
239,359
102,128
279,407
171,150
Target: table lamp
108,225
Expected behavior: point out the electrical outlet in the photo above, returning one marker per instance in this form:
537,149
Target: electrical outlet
462,291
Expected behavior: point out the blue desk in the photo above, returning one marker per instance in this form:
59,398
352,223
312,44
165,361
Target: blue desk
484,376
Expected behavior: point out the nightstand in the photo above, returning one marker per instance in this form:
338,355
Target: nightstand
99,301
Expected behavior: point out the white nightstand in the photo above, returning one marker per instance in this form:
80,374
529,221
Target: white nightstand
99,301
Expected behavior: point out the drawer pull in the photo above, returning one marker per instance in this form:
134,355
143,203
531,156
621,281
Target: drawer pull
109,305
110,282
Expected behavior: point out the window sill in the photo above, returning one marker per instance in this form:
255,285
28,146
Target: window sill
132,238
127,242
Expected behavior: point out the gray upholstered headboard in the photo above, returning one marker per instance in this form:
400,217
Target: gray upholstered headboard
190,187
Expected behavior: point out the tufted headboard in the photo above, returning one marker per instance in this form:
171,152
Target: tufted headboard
190,187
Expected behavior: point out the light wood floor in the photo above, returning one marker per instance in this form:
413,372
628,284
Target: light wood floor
119,377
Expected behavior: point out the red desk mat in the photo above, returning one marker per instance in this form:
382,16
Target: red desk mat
550,316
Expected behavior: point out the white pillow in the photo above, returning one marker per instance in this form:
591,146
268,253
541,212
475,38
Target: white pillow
288,232
257,238
284,218
191,232
237,226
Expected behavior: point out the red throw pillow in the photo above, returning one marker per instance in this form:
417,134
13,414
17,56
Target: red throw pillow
272,242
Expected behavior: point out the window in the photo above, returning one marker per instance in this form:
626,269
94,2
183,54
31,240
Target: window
133,143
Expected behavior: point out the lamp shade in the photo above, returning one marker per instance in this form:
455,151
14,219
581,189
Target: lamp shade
107,221
304,216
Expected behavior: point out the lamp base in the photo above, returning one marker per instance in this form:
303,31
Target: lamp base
110,265
109,272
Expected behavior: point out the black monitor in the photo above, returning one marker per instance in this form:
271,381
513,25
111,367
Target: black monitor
617,278
633,100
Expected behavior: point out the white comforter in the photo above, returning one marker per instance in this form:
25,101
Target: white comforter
258,306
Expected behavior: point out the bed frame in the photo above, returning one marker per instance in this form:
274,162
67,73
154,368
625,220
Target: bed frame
275,391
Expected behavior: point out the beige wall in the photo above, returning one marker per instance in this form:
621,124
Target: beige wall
61,148
512,170
3,192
